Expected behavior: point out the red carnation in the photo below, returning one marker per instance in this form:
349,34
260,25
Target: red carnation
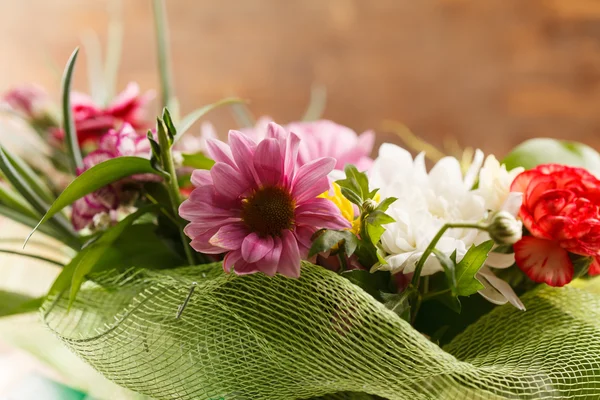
561,211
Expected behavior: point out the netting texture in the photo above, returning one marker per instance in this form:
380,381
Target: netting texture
320,336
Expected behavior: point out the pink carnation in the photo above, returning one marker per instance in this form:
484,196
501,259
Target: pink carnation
124,142
325,138
92,121
257,205
29,100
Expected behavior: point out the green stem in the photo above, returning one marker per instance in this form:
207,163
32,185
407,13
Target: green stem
162,42
429,296
417,275
343,262
172,185
416,279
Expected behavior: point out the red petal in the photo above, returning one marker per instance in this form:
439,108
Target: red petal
544,261
595,267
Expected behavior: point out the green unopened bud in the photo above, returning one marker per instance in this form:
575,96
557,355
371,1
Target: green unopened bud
504,228
369,205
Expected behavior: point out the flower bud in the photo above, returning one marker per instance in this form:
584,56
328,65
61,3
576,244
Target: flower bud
504,228
369,205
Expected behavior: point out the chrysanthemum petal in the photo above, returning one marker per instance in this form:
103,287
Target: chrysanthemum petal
270,261
311,179
292,144
227,181
231,259
201,177
229,237
219,151
289,263
544,261
268,162
254,248
242,149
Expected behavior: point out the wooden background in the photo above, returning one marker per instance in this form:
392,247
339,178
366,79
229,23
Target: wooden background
490,73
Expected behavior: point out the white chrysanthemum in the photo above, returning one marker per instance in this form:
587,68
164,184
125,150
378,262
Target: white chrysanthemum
427,201
494,186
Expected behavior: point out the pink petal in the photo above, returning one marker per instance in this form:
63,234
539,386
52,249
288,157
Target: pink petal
219,151
231,259
271,260
311,179
243,148
292,144
201,177
543,261
268,162
304,235
255,248
275,131
230,237
322,221
289,262
244,268
320,213
228,181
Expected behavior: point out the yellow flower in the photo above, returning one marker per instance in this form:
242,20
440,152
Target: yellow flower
345,206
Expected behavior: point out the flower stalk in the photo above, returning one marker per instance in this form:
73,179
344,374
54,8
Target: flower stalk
417,297
168,165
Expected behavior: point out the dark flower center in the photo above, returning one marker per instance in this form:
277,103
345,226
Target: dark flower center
269,211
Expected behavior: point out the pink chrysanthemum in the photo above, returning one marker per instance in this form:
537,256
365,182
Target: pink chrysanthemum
257,205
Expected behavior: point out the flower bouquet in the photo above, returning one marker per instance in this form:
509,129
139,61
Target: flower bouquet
285,263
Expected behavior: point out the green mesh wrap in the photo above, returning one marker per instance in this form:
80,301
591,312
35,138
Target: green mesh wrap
255,337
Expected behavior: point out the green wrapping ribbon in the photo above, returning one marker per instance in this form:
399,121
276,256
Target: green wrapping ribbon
255,337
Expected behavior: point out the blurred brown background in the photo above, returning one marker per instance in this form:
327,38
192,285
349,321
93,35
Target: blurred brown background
490,73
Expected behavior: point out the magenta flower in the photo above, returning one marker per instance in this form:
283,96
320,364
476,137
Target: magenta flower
257,205
106,201
31,101
92,121
325,138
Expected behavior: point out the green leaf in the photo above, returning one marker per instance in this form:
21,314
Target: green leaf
356,182
83,263
34,256
12,303
330,238
31,222
29,176
59,223
449,269
543,150
166,117
164,60
95,178
373,225
386,203
67,114
197,161
351,195
466,282
366,281
450,301
15,202
189,120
